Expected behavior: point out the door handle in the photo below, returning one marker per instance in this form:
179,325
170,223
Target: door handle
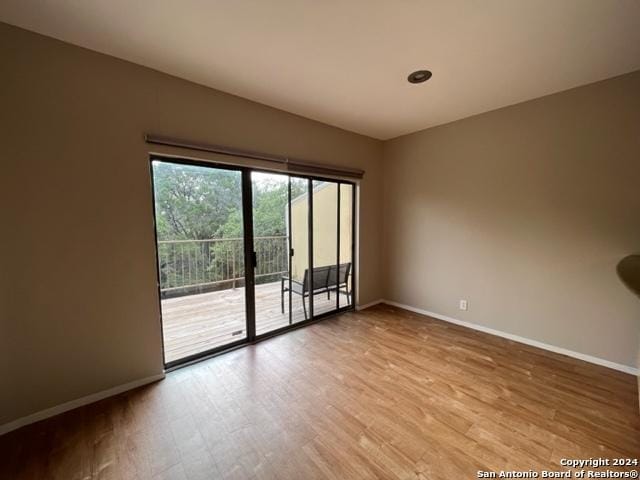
254,259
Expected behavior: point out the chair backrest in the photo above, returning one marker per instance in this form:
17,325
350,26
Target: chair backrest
324,277
320,278
341,277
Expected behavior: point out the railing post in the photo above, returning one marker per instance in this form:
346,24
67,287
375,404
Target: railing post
233,263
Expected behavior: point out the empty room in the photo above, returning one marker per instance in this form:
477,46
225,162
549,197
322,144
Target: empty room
280,239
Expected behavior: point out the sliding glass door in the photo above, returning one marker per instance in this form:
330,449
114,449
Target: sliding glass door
270,208
200,250
325,246
244,253
346,244
296,288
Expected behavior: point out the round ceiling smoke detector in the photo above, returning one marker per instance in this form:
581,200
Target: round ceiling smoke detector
419,76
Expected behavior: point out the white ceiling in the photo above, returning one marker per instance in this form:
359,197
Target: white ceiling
345,62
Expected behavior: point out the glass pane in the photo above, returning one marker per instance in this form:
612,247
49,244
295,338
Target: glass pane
325,246
346,243
299,231
200,235
271,244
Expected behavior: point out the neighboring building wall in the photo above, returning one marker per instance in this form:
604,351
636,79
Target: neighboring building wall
325,205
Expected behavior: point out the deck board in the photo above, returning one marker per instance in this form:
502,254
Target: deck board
196,323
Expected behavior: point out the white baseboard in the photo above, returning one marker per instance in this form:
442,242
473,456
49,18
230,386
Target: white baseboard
79,402
370,304
519,339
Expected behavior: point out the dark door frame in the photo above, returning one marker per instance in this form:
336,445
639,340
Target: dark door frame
249,257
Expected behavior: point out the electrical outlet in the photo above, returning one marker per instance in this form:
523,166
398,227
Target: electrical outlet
464,305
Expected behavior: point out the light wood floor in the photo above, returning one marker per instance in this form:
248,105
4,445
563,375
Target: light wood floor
195,323
378,394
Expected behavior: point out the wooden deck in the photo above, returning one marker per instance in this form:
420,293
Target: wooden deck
195,323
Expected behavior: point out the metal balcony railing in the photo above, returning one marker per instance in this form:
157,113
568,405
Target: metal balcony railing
194,265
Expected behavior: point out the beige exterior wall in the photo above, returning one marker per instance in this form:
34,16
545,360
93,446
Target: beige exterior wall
78,299
325,205
299,229
524,212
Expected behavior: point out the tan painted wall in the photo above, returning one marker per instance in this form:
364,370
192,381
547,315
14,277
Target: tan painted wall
79,302
524,212
299,232
324,228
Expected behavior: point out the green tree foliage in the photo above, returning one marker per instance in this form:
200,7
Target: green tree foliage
270,198
197,203
194,202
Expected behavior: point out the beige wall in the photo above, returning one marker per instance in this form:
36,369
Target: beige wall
524,212
79,301
299,231
324,228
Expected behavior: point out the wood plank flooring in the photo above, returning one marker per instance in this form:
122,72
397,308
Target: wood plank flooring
377,394
195,323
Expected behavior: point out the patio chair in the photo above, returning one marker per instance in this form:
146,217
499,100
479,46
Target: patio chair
325,280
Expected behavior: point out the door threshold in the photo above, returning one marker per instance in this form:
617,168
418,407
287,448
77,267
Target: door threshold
201,357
